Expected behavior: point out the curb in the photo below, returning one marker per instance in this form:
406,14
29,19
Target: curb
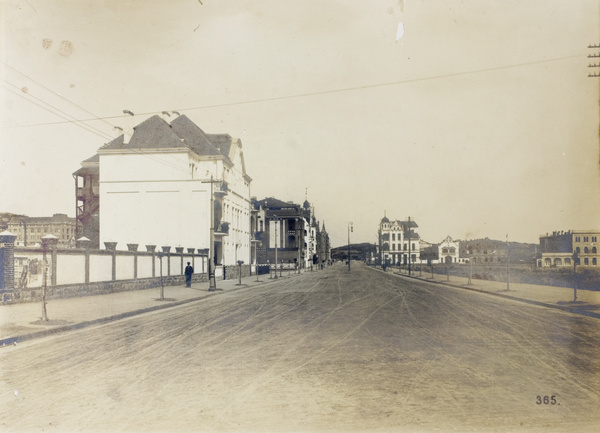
502,295
80,325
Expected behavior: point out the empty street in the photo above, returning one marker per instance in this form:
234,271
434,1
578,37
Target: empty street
328,350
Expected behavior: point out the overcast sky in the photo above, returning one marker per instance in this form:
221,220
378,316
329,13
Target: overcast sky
474,118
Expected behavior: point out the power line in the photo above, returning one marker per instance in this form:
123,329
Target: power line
75,122
56,93
325,92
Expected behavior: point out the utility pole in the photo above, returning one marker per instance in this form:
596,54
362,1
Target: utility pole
212,282
409,247
507,266
350,229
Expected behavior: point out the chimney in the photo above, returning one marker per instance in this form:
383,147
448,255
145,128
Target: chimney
166,116
127,126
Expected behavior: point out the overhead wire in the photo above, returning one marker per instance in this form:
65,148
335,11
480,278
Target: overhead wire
325,92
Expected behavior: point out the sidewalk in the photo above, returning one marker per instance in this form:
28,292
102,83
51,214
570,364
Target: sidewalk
588,302
19,322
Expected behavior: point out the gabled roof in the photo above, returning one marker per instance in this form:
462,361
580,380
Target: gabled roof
153,133
156,133
193,136
271,202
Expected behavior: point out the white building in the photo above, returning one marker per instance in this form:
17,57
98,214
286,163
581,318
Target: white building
448,251
398,241
155,189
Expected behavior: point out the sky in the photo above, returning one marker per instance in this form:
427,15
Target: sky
473,118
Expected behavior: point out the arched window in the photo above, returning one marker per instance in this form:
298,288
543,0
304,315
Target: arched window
586,250
586,261
594,261
557,262
577,250
594,250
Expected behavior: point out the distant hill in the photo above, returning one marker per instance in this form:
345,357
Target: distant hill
5,217
357,251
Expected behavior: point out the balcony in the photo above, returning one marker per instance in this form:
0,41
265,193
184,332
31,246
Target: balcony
220,189
222,229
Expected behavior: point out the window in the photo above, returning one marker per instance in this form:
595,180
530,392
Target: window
594,239
594,250
586,250
586,261
577,250
577,239
586,239
594,261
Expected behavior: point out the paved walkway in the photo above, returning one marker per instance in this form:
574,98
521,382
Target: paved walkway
587,303
20,322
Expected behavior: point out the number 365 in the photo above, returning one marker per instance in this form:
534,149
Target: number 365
545,399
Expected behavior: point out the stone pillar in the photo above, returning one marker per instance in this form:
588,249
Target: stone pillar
167,252
112,246
191,251
84,242
7,263
179,251
152,249
133,248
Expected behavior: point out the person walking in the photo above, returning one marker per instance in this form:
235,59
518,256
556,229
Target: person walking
188,275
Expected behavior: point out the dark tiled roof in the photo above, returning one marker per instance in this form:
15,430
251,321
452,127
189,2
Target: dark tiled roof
195,137
271,202
153,133
156,133
222,141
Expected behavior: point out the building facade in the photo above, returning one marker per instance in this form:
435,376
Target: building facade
31,230
168,184
399,244
561,249
288,233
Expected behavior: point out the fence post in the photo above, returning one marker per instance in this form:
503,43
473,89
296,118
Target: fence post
84,242
152,249
167,252
133,248
7,264
179,251
112,246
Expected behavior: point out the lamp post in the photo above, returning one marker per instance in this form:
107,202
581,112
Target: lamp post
350,229
212,283
276,220
507,266
49,242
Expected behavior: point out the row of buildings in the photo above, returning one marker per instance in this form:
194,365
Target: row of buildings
399,243
165,182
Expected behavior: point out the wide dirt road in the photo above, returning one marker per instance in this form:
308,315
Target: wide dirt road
325,351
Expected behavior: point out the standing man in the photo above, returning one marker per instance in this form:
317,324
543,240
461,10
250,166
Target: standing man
188,275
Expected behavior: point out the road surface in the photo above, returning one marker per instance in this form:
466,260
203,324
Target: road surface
330,350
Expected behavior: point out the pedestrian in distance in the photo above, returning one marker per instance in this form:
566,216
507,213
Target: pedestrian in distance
188,275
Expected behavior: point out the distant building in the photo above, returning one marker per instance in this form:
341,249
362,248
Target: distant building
486,251
560,249
30,230
398,242
289,233
448,251
161,184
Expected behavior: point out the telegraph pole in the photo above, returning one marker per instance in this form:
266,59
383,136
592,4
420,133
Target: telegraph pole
212,281
350,229
409,248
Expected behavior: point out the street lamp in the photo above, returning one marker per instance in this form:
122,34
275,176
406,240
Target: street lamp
350,229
